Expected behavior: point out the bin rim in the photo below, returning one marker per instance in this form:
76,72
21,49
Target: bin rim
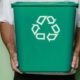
48,4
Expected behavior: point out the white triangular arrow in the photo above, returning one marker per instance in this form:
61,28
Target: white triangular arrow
35,28
51,37
41,19
51,20
54,30
40,36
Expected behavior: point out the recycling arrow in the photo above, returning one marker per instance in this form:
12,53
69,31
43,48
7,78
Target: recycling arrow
41,19
42,36
55,28
35,29
51,37
51,20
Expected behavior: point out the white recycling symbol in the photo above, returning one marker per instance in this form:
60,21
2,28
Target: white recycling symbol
41,36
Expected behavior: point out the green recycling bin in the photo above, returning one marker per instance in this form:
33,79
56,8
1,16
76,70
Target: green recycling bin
44,35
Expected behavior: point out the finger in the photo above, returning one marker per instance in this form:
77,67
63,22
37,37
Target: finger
14,58
75,62
75,58
14,67
17,70
15,61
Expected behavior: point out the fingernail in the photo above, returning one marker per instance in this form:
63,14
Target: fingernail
17,65
74,66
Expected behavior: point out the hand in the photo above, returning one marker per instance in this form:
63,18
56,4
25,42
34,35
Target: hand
14,63
75,60
13,58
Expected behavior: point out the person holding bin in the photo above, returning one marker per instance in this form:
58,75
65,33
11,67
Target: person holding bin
8,36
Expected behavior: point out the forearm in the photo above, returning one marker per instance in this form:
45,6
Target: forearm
7,33
78,35
77,41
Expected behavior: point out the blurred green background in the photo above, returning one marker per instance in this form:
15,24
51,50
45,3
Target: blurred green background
6,72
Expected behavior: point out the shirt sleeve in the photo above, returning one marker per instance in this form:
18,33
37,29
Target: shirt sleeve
78,16
6,12
1,11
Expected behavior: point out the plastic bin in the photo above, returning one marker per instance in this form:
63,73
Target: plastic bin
44,35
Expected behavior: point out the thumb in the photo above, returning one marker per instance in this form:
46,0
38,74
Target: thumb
75,61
